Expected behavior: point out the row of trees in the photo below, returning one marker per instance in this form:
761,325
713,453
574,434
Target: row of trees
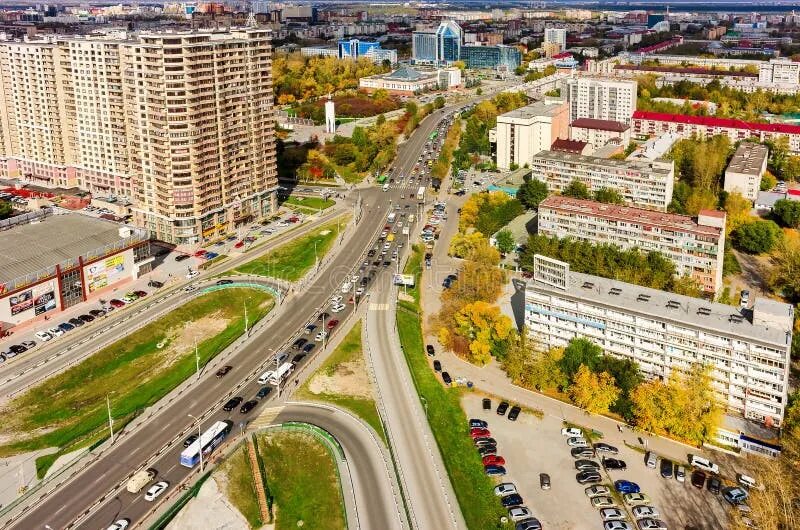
648,269
355,104
488,212
442,164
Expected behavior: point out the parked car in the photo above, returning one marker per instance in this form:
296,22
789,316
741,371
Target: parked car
632,499
475,423
484,441
572,432
680,473
582,452
506,488
644,511
528,524
513,414
502,408
666,468
651,524
698,479
487,404
714,485
114,302
494,471
97,312
479,432
493,460
43,336
594,491
437,366
626,486
431,351
735,495
588,477
513,499
586,465
603,501
606,448
615,464
66,326
650,459
519,513
617,525
487,450
577,442
544,481
612,514
232,404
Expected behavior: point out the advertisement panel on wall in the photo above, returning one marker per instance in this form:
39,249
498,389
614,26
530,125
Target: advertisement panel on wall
104,272
41,298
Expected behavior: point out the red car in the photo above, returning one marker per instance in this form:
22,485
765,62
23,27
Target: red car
332,324
200,253
116,303
140,294
479,433
293,219
239,244
494,460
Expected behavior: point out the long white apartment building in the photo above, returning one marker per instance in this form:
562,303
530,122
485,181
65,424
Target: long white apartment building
695,246
745,170
643,183
524,132
748,350
601,98
179,122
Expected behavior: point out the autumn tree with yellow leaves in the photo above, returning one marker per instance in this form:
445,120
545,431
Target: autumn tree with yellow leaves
592,391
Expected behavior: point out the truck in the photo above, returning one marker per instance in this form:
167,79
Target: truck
140,480
281,373
421,194
391,218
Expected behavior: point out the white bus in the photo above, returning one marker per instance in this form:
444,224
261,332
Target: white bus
391,218
421,193
281,373
209,441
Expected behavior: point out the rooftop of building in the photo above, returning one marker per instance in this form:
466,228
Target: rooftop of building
660,166
52,240
638,216
684,70
603,125
684,310
568,146
710,121
540,108
748,159
406,74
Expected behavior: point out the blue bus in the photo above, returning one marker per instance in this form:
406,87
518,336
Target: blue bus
209,440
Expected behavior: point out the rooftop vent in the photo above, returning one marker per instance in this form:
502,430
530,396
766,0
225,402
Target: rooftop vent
616,291
588,285
735,318
703,311
672,304
643,298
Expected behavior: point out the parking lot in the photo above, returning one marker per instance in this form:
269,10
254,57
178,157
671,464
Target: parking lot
532,446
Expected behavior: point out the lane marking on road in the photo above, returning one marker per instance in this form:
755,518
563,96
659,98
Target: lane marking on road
378,307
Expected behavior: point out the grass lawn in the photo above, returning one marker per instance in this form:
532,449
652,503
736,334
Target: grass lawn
239,486
68,410
349,351
292,260
303,482
312,203
448,422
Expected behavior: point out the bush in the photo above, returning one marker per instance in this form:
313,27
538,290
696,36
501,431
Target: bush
787,213
756,237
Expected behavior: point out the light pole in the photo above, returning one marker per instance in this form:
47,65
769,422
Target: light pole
110,419
316,260
245,317
199,440
196,358
424,405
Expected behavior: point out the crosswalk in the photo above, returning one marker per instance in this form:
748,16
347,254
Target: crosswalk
407,184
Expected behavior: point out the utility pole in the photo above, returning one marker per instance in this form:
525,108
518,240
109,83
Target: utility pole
196,358
245,318
110,419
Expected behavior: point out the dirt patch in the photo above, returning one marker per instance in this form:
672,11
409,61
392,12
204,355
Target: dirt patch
348,379
182,339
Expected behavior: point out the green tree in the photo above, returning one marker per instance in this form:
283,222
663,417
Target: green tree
609,195
5,209
756,237
593,392
479,91
787,212
768,181
579,352
577,190
505,241
532,192
411,108
783,276
438,103
627,377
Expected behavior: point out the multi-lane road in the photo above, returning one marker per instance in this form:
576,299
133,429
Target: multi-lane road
157,443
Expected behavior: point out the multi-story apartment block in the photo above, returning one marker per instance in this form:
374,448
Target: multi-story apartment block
656,123
601,99
646,184
524,132
779,71
557,36
748,350
744,172
180,122
695,246
598,133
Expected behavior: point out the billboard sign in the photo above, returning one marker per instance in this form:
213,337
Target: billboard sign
41,298
403,279
104,272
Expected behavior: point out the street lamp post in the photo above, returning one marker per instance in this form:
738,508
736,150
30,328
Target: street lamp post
245,318
110,419
424,405
196,358
199,440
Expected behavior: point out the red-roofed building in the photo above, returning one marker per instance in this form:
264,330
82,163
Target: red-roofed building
598,133
656,123
571,146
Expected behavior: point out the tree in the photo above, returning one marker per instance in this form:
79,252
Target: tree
627,376
479,91
532,192
505,241
463,244
783,276
6,209
737,210
609,195
438,103
531,368
700,199
593,392
577,189
485,327
411,108
756,237
768,182
687,286
787,212
579,352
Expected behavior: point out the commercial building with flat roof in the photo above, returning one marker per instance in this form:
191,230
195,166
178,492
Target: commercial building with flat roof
695,246
524,132
52,261
499,57
748,350
647,184
407,80
748,165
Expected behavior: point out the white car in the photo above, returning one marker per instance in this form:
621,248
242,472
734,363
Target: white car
192,274
603,501
55,332
617,525
43,336
346,286
321,336
642,512
680,474
577,442
119,524
635,498
336,300
355,278
518,513
597,490
337,308
572,432
156,490
506,488
612,514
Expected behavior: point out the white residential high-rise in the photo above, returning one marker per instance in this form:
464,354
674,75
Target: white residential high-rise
781,71
557,36
601,99
524,132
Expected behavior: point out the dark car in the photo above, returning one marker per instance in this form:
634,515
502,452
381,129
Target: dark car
77,322
66,326
487,404
247,406
614,463
493,470
714,485
224,282
605,448
529,524
263,392
515,499
140,294
666,468
430,350
232,404
17,349
437,366
224,370
371,253
181,257
97,312
447,283
513,414
86,318
299,343
189,440
476,423
586,465
484,442
487,450
544,481
502,408
588,477
582,452
155,283
698,479
309,347
387,263
299,357
324,316
446,378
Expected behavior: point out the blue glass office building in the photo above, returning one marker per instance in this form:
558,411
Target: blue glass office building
439,47
498,57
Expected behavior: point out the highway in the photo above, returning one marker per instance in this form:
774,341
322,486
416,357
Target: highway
156,443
